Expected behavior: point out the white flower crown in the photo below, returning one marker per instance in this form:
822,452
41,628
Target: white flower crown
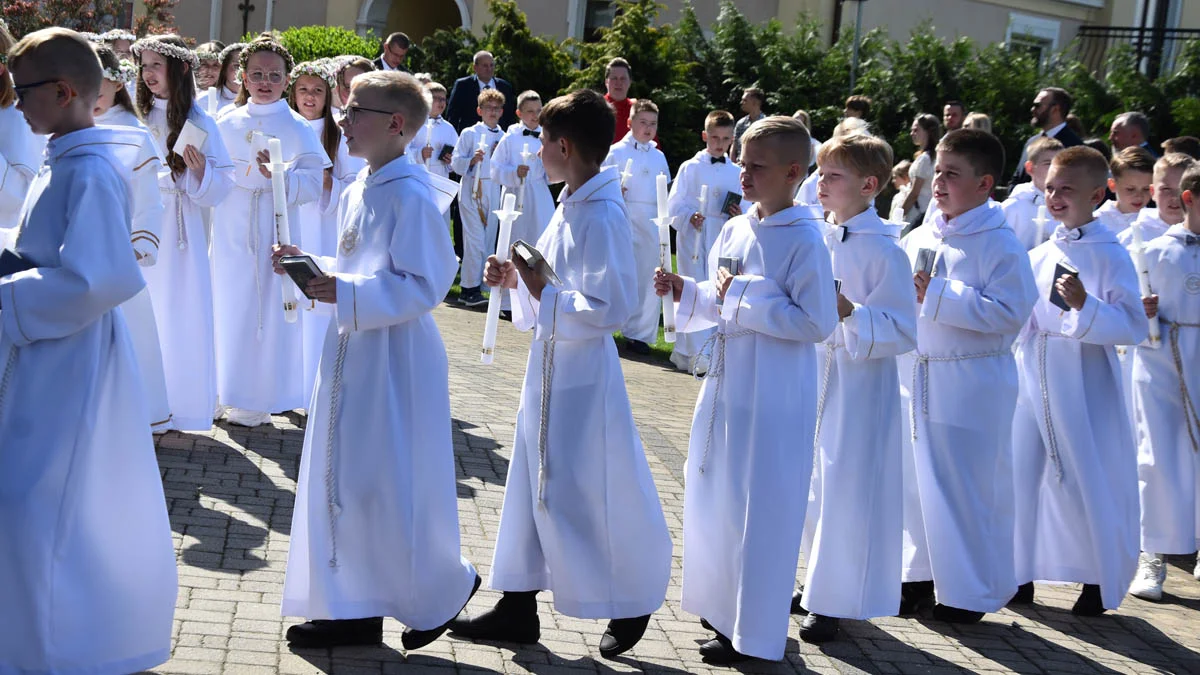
118,34
165,49
314,68
229,49
125,73
208,57
266,46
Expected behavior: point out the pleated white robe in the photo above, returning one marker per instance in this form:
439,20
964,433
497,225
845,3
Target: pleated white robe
318,231
1074,466
1152,226
260,359
692,245
642,205
538,206
181,283
478,223
89,567
750,446
581,514
375,528
1024,206
854,562
1168,424
962,380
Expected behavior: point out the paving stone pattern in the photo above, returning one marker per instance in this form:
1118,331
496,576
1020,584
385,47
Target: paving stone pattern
230,495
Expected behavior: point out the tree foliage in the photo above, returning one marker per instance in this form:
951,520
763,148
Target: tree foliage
93,16
309,43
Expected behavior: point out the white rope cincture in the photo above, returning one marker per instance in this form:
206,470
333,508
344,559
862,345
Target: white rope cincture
1190,417
544,416
252,246
826,374
332,500
179,223
921,370
715,345
1051,437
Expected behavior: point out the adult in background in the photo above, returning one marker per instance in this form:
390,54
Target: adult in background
464,95
618,77
1049,113
395,48
1131,130
753,100
954,114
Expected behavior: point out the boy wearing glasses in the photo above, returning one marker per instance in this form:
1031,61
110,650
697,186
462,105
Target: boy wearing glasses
89,568
478,194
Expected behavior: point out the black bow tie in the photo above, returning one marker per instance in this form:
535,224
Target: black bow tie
495,131
717,160
1191,240
531,132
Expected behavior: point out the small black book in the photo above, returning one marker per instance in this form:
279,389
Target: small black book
926,259
535,261
302,269
731,198
445,152
1056,298
12,262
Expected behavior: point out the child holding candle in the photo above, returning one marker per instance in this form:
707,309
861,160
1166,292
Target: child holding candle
516,167
426,148
641,202
223,94
581,515
1166,395
697,196
478,194
1075,492
743,516
258,351
1025,207
375,529
181,284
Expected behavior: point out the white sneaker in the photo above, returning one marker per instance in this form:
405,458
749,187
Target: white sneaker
681,361
247,418
1151,573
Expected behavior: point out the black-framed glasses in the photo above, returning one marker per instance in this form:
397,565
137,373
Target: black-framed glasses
21,90
353,110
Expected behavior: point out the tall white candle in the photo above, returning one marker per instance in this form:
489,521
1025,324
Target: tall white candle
625,175
483,146
429,142
1139,262
506,215
283,232
698,252
525,155
664,255
703,200
213,101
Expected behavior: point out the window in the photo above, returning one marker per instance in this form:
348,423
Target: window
598,14
1032,35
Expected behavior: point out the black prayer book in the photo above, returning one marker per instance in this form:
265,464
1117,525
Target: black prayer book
1056,298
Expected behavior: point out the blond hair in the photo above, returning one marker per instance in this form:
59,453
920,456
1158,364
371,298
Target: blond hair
1090,161
63,54
787,136
1191,180
1042,147
1134,159
1172,160
398,91
977,120
490,96
864,155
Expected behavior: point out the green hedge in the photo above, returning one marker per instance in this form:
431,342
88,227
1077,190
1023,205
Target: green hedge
309,43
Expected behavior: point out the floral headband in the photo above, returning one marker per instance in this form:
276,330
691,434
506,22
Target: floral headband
124,73
266,46
166,49
231,48
315,69
208,57
118,34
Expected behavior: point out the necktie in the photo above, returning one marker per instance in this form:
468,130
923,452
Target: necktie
531,132
717,160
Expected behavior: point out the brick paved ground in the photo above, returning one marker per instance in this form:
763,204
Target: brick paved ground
231,491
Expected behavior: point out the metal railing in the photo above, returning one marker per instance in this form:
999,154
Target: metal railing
1155,48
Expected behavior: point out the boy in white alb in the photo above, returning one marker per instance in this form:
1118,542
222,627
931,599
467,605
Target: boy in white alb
478,194
1166,386
857,503
88,567
581,515
1073,463
743,517
710,174
1025,207
375,529
1132,172
1168,172
959,523
432,139
638,187
524,175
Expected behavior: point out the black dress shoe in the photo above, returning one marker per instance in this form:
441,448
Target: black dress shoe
622,635
797,596
914,594
706,625
637,347
1089,603
719,651
1024,595
955,615
513,619
816,629
412,638
336,633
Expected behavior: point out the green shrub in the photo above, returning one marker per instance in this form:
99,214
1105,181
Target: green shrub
309,43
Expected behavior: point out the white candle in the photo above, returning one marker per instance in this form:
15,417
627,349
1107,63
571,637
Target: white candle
213,101
483,146
664,256
525,155
506,215
703,199
282,231
627,172
698,253
428,142
1139,262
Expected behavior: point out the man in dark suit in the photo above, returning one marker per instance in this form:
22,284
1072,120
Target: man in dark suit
395,48
1049,113
1131,129
464,96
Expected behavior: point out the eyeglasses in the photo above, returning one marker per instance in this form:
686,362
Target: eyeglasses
353,110
274,77
21,89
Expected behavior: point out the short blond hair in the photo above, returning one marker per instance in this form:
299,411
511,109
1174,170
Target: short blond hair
1089,161
978,120
1042,147
787,136
399,91
1172,160
490,96
719,118
527,96
864,155
63,54
1191,180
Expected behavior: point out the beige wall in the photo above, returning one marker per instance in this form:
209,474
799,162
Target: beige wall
982,21
192,16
